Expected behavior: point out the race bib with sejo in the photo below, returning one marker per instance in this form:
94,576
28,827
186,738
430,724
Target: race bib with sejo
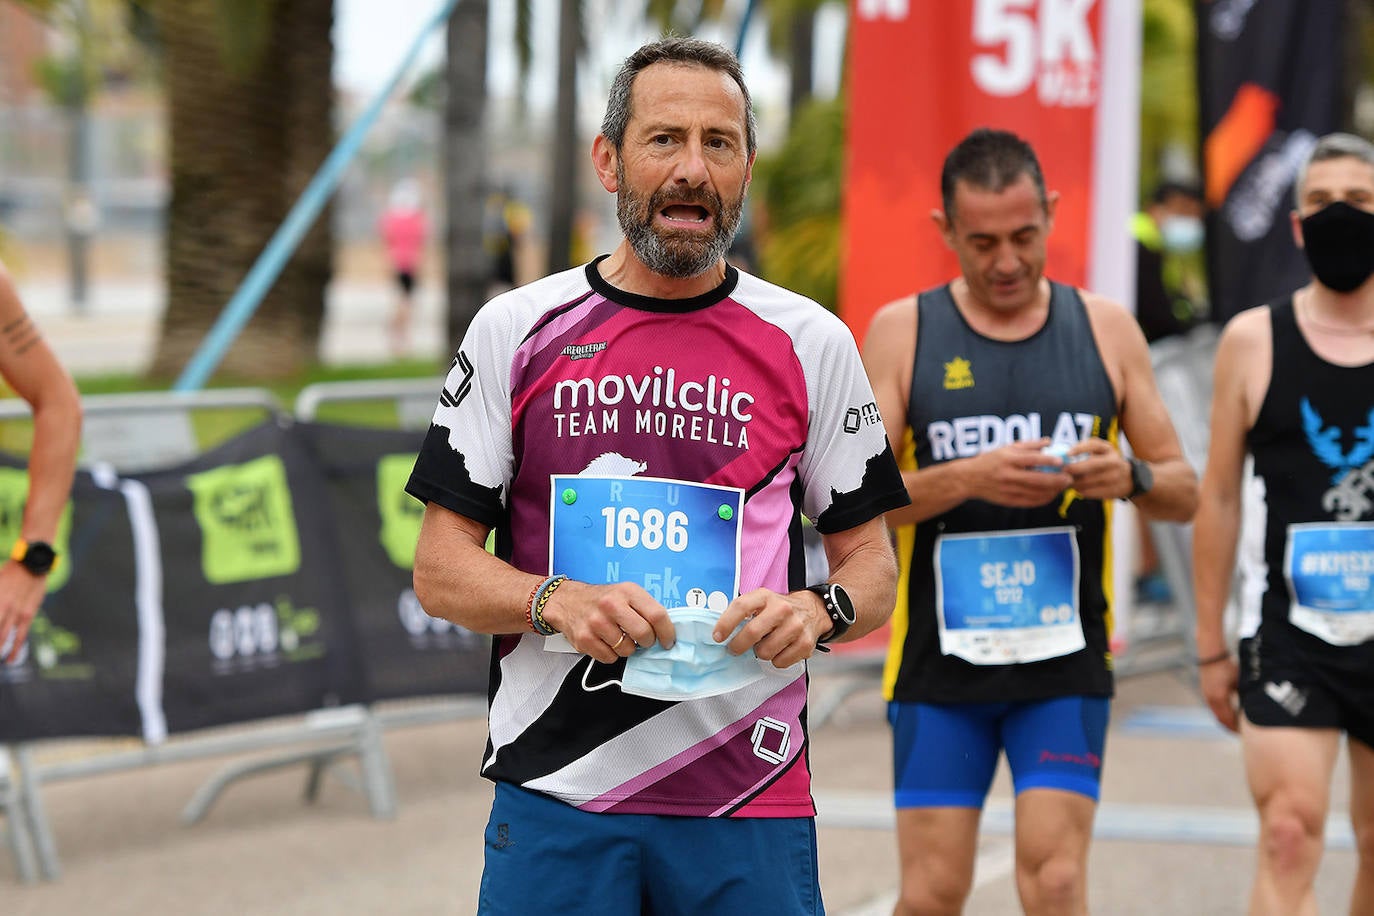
1008,597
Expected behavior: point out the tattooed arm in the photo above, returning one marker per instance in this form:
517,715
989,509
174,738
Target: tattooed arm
30,368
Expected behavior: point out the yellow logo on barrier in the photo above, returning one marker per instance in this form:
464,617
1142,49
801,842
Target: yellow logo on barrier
247,523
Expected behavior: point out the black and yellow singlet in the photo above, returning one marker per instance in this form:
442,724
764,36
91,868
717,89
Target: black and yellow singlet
999,603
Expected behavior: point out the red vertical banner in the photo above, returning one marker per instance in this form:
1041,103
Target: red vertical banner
922,75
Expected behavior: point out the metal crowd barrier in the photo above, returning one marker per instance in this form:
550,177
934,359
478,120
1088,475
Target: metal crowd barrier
136,432
1183,372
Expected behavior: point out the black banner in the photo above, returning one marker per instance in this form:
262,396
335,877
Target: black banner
405,652
255,613
78,673
1269,78
270,576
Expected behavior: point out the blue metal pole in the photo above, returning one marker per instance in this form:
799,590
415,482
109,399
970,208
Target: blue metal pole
287,238
744,26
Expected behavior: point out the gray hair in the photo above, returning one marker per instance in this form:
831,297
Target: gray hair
673,50
1333,146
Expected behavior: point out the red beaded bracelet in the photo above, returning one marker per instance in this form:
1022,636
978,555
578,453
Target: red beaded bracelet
529,608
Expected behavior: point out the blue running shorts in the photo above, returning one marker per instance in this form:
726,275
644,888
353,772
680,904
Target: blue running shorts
544,856
944,754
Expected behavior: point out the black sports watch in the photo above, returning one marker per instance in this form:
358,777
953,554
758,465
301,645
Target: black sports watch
1142,478
840,608
37,557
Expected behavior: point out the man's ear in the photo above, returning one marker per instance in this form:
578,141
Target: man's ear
943,226
1295,220
1051,204
604,160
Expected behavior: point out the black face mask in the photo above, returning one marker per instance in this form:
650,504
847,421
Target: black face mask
1339,243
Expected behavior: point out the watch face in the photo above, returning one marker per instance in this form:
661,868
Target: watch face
38,559
1142,478
843,604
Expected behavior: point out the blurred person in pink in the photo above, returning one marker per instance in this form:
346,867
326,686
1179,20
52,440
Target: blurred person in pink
404,231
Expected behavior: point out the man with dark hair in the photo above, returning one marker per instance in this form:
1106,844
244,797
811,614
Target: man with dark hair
1009,394
1169,301
1294,392
644,433
1169,235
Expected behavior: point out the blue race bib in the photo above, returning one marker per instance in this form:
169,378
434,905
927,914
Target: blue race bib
1008,597
1329,568
680,541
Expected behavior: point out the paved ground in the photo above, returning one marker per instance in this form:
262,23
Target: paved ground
262,851
118,329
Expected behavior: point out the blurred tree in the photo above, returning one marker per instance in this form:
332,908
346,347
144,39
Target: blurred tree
800,187
1359,67
98,49
791,33
250,105
465,165
1168,89
566,150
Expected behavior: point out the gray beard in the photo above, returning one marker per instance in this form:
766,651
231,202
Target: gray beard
670,253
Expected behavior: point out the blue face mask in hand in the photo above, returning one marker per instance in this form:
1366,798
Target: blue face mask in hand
695,667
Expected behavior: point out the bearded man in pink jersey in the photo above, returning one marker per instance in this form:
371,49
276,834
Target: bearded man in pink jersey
644,433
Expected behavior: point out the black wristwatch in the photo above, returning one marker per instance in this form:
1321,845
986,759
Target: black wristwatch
840,608
37,557
1142,478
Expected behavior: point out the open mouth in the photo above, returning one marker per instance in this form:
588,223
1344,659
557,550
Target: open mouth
685,215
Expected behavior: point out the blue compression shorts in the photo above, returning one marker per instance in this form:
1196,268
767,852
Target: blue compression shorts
944,755
544,856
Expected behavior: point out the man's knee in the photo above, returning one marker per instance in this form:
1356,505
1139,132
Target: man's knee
933,893
1056,882
1363,828
1292,839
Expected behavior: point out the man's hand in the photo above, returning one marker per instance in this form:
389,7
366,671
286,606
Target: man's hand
1099,471
21,594
782,629
1018,475
1218,682
608,622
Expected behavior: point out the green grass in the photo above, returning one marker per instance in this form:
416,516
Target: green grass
211,426
285,390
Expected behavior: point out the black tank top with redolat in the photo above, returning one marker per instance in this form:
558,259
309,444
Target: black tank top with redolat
1005,603
1313,449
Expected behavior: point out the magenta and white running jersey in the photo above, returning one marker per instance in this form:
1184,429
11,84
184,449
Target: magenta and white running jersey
749,387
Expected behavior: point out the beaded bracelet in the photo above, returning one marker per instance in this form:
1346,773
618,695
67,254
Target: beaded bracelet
1213,659
546,591
529,608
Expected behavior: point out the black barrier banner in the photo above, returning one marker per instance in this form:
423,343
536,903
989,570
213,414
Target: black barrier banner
405,652
78,673
1270,85
256,619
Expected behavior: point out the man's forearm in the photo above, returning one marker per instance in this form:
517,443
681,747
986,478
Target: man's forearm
1216,532
1174,496
869,575
52,463
933,491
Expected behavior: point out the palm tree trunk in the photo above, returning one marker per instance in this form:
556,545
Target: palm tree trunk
801,54
1359,59
464,165
566,151
246,134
